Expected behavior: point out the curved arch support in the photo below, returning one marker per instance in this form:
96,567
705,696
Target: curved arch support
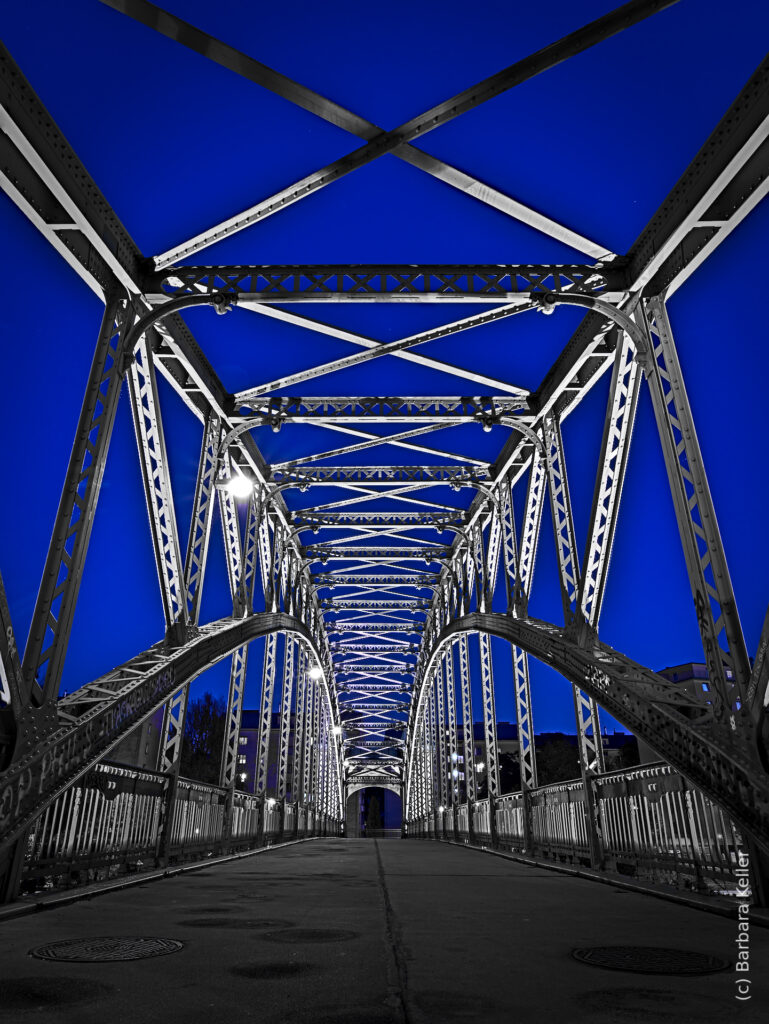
393,787
651,707
95,718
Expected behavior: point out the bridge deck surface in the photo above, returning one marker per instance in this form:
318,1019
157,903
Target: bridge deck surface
374,932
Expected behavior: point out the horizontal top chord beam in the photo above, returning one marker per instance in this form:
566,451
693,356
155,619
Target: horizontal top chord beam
276,410
374,475
495,283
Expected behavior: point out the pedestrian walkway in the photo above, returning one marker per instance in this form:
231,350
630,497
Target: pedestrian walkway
341,931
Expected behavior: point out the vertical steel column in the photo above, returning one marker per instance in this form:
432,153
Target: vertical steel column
433,759
265,717
285,715
316,754
532,521
586,709
489,728
265,554
55,606
308,742
468,739
442,757
527,556
202,508
296,774
145,409
148,427
229,763
169,762
717,617
239,663
451,714
615,448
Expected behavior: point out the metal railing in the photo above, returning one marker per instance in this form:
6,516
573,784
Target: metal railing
114,820
652,825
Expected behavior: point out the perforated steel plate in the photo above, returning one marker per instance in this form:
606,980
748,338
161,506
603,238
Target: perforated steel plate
106,948
650,960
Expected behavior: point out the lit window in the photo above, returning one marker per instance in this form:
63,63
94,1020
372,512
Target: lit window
241,758
243,740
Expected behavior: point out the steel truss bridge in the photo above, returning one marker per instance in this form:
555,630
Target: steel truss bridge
375,600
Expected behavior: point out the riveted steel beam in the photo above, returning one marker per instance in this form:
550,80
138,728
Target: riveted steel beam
389,141
371,476
476,283
55,606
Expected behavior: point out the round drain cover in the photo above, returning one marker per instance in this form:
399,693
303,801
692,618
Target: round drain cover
106,948
650,960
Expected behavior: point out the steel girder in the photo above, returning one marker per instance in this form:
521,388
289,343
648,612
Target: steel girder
372,476
309,520
55,605
717,191
493,284
649,705
148,426
722,639
276,410
289,668
519,567
242,64
585,707
95,718
421,581
451,716
397,141
200,524
615,447
324,553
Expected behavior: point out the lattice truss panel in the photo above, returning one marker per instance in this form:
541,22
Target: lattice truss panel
377,601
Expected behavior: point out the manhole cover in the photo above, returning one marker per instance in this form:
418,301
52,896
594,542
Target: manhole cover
106,948
300,935
650,960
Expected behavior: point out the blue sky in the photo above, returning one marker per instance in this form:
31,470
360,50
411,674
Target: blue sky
176,143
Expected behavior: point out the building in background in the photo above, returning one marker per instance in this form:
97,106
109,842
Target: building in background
248,749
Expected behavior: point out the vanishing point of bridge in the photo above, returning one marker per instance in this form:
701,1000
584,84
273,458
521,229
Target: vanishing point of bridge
387,598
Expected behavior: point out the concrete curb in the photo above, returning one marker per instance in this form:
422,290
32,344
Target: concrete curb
711,904
55,900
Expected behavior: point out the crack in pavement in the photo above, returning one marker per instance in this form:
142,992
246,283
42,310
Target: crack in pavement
397,970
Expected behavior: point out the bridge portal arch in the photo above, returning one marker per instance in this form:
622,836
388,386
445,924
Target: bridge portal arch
366,802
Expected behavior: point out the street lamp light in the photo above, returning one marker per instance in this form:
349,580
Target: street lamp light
316,672
239,486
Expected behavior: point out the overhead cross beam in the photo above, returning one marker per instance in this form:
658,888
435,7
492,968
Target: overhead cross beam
493,283
309,476
276,410
401,349
391,141
240,63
